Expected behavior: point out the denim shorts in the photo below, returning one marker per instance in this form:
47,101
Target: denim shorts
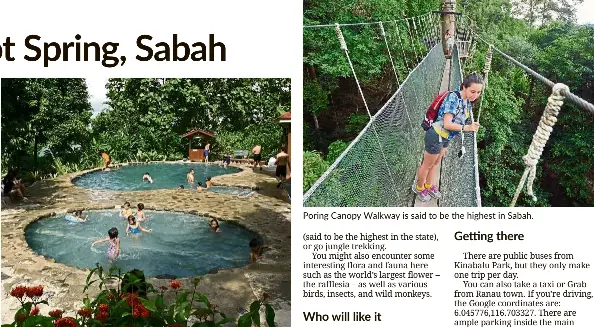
432,144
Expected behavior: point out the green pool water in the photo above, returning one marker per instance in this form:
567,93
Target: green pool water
180,245
164,175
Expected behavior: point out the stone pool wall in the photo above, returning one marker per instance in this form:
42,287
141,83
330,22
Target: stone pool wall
267,213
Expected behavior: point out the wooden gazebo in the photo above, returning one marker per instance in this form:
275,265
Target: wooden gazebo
197,154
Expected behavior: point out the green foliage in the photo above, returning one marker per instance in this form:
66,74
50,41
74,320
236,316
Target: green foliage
335,149
120,307
567,55
325,65
315,99
356,123
314,166
52,114
267,134
512,108
143,120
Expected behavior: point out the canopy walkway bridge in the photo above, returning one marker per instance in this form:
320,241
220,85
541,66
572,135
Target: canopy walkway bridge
379,166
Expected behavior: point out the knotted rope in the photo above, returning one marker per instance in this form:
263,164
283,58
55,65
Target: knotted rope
540,138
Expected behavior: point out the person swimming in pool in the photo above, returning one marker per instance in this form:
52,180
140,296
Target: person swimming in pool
113,251
147,177
134,227
214,226
140,216
127,211
190,176
78,214
209,183
256,249
199,188
77,217
226,160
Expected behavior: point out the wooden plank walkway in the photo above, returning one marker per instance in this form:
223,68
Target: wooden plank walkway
445,85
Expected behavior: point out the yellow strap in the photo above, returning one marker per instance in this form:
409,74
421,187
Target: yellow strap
442,132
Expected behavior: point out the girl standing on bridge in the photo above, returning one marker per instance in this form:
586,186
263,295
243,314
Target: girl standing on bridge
454,111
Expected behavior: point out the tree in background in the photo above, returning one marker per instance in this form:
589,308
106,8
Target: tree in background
52,115
142,119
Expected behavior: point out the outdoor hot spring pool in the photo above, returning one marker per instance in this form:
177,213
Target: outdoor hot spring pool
164,175
180,244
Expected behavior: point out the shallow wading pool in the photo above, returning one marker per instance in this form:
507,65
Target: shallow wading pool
180,244
164,175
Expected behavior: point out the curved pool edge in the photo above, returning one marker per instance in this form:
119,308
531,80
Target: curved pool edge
206,214
68,281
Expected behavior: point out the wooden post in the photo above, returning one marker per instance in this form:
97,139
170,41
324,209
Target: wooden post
448,21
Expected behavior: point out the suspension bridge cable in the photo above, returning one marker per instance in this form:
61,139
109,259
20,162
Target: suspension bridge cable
362,23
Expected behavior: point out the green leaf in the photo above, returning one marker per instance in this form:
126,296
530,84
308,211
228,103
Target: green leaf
256,317
270,315
89,276
159,303
182,297
149,304
255,306
204,300
42,321
89,285
245,320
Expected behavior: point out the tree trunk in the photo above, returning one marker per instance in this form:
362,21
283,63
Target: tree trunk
316,123
35,152
311,70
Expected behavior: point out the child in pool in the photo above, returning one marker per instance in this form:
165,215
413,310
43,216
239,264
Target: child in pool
114,243
127,211
77,217
140,216
256,249
147,177
199,188
134,227
209,183
226,160
214,226
190,176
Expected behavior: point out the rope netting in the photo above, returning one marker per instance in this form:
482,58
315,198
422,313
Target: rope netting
379,166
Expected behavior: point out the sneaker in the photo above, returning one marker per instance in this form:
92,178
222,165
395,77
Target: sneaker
423,195
434,192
